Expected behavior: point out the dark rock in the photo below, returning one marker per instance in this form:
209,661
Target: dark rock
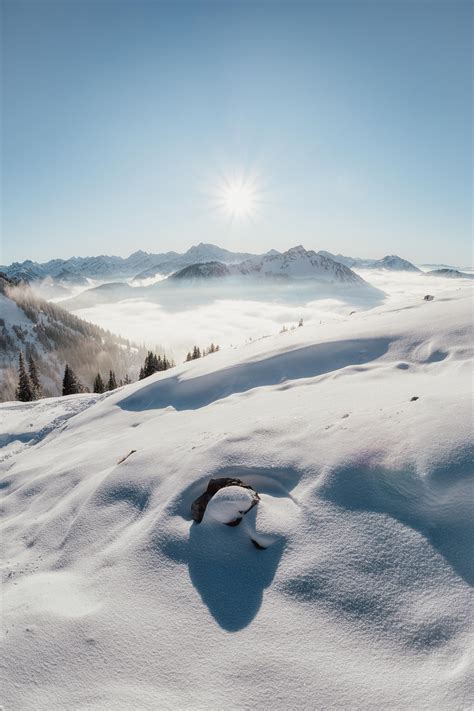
428,297
198,507
415,397
236,521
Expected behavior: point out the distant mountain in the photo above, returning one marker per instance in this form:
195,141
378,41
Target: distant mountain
198,254
53,336
295,263
207,270
299,263
391,262
140,264
450,273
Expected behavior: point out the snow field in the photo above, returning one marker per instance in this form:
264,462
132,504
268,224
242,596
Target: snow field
114,598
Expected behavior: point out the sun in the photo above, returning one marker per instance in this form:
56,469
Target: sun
239,200
237,197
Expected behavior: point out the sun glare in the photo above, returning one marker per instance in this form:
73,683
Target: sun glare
237,198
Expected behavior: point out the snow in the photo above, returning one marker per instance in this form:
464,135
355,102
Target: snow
115,599
229,504
300,263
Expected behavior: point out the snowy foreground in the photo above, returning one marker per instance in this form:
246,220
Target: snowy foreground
114,599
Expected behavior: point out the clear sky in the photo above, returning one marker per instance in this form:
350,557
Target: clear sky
121,119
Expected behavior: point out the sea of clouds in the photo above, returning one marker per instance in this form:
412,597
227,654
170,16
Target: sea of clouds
200,317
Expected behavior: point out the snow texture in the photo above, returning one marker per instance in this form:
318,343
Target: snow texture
115,599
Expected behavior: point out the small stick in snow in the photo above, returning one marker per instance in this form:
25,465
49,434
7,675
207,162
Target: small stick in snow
132,451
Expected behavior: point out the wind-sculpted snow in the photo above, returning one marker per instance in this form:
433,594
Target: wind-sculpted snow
306,362
357,437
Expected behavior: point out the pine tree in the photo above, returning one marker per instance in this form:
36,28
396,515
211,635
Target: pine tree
300,322
112,384
196,353
71,385
35,383
188,357
141,374
98,386
25,391
126,380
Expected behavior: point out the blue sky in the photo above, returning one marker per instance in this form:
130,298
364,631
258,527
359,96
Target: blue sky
120,119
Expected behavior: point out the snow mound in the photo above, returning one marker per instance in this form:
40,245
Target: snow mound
229,504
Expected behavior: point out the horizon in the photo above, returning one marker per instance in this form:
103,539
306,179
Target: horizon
240,123
185,249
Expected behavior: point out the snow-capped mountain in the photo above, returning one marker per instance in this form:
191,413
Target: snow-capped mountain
391,262
53,337
299,263
295,263
140,264
198,254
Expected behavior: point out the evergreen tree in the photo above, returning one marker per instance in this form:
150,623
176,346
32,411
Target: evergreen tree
300,322
112,384
141,374
196,353
126,380
33,373
98,386
188,357
71,385
24,391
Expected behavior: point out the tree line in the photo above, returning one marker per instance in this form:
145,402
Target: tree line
197,353
29,386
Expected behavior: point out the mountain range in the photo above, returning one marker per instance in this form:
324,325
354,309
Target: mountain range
142,265
295,263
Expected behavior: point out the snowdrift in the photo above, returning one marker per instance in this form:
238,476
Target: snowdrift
359,598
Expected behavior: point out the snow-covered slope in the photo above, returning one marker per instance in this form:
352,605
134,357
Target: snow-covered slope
53,336
357,436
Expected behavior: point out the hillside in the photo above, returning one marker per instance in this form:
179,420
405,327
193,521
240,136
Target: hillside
357,437
53,336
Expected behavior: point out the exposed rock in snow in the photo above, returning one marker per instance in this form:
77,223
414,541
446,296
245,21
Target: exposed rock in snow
229,504
198,507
